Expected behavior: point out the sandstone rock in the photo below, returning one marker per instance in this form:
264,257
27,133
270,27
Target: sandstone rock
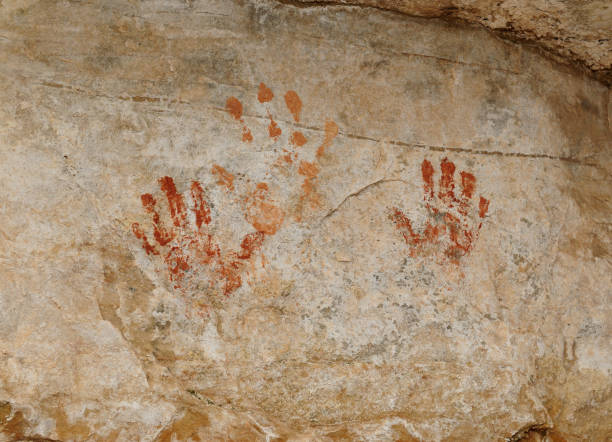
572,31
245,220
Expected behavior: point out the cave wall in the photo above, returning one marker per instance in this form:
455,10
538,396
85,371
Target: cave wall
247,220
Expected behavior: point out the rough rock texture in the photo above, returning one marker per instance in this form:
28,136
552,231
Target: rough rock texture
244,220
575,31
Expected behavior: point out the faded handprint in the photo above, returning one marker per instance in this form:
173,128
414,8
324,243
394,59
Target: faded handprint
184,243
292,157
453,222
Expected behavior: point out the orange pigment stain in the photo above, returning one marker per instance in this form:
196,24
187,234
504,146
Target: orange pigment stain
273,130
261,213
331,132
265,94
247,136
234,107
298,139
294,104
310,171
224,178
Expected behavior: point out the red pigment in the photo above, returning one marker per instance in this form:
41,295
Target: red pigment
250,244
145,242
175,200
162,236
447,182
483,206
427,171
200,209
177,263
468,182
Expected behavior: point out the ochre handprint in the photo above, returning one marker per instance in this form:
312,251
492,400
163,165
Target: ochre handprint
180,237
453,223
189,250
290,159
197,259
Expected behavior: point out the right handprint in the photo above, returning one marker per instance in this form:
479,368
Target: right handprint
453,222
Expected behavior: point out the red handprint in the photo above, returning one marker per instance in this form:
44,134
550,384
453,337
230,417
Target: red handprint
453,222
189,250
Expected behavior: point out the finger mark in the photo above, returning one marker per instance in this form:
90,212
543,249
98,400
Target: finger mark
331,131
294,104
234,107
139,233
175,201
265,93
468,184
427,171
483,206
447,180
159,232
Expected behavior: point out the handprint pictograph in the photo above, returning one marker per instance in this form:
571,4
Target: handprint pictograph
292,157
188,248
195,253
179,235
453,222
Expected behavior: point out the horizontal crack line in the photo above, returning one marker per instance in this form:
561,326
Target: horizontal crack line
427,146
158,100
135,98
473,151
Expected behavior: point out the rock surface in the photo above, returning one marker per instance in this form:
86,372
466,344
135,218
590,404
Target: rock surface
245,220
575,31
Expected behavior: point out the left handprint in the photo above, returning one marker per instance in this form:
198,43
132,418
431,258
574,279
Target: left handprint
185,244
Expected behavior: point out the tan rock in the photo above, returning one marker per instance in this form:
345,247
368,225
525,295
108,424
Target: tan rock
246,220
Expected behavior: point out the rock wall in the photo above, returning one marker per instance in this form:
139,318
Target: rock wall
572,31
245,220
